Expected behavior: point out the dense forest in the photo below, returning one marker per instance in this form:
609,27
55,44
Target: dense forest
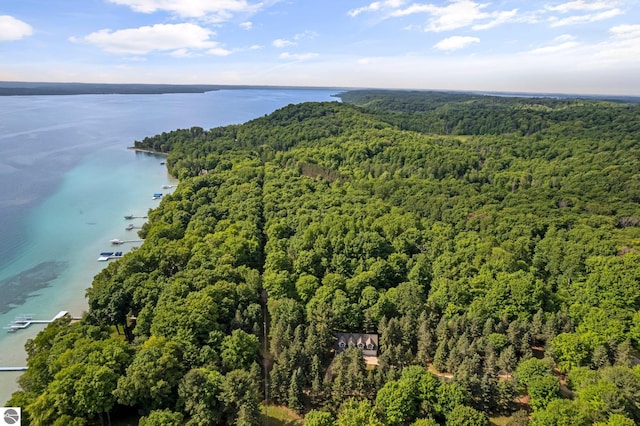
493,245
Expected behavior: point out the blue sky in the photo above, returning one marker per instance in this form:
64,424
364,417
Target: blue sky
569,46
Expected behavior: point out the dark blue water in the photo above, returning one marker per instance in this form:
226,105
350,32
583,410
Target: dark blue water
67,180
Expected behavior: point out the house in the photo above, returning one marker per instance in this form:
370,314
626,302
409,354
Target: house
367,343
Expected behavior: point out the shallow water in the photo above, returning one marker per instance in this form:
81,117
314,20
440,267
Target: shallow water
67,181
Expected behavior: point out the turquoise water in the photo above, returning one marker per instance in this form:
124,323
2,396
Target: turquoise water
67,180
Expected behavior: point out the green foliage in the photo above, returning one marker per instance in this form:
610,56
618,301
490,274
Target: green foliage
616,420
543,390
463,415
199,393
396,402
319,418
424,422
239,350
601,399
569,350
151,380
357,413
560,412
532,369
161,418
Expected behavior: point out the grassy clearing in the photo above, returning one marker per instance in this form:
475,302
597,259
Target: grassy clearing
278,415
499,420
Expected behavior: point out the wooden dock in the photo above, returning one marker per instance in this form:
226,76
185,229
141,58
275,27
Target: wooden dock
23,322
116,241
13,368
133,216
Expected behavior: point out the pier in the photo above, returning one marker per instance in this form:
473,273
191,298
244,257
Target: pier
108,255
116,241
13,368
24,321
132,216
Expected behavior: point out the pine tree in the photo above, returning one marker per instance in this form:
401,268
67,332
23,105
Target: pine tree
316,379
249,413
537,328
441,356
295,400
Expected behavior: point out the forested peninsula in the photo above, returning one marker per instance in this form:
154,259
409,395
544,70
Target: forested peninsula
485,249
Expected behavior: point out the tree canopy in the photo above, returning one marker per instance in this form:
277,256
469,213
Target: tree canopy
473,234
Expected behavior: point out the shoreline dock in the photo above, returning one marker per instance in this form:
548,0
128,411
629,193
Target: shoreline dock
117,241
26,321
133,216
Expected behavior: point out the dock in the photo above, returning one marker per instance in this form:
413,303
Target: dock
24,321
116,241
13,368
132,216
108,255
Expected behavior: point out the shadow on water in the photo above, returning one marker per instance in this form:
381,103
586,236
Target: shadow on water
18,288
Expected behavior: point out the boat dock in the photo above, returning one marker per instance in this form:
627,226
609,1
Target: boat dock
24,321
13,368
132,216
108,255
116,241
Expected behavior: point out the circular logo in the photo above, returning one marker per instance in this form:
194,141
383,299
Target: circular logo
11,416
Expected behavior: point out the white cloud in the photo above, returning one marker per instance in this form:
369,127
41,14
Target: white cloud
415,8
622,47
499,18
181,39
619,53
560,43
217,10
457,14
281,42
585,19
182,53
219,51
377,6
626,31
298,56
455,43
583,6
305,34
13,29
248,25
564,38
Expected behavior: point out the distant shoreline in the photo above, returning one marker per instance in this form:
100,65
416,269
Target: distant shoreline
8,88
24,88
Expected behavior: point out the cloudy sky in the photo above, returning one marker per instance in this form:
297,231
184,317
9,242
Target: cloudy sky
575,46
